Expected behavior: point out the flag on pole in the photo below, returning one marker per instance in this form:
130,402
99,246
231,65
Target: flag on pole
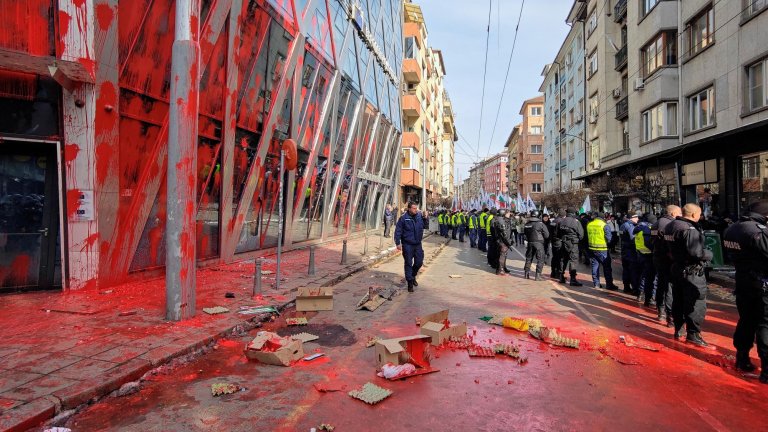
586,207
520,204
529,204
546,212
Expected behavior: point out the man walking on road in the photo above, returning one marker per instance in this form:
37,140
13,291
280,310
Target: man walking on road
747,243
473,223
482,221
408,234
389,220
570,233
598,239
685,241
536,233
662,263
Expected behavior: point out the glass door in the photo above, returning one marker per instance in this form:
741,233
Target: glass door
30,255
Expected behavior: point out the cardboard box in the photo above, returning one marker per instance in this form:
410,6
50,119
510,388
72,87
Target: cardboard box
314,299
262,348
409,349
434,326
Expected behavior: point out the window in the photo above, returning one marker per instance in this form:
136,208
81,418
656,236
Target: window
592,22
536,111
753,7
592,62
411,48
537,168
535,130
646,6
594,108
407,158
757,82
661,51
660,121
580,74
571,150
570,118
701,31
535,187
536,149
751,167
701,111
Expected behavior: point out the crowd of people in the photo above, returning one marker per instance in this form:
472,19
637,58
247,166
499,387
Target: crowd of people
663,259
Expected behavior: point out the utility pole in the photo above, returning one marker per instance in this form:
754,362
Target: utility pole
181,242
424,169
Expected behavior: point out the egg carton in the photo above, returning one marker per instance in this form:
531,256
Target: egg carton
371,393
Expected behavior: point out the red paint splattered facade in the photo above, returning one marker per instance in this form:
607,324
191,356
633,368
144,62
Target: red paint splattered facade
319,72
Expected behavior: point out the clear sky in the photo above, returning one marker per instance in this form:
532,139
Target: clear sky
458,28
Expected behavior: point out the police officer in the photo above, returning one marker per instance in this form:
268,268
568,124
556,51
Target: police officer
570,233
536,233
629,255
557,244
548,241
493,258
482,240
598,238
685,241
747,243
662,262
502,229
408,234
644,246
462,221
472,224
440,222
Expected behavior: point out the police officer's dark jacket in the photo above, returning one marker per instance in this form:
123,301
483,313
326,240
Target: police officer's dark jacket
501,228
570,230
409,229
536,231
747,244
660,250
686,242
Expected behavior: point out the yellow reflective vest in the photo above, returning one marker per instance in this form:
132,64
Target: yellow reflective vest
488,224
640,243
440,219
596,235
482,218
472,221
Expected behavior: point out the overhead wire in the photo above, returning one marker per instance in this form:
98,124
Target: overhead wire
485,73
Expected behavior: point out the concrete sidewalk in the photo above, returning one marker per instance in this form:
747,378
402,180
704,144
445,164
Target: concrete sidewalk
61,350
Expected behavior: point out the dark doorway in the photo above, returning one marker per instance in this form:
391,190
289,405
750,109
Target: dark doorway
30,248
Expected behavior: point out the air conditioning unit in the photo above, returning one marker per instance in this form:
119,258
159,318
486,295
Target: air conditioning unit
639,83
617,93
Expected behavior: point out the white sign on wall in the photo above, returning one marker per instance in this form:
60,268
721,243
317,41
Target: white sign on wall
85,206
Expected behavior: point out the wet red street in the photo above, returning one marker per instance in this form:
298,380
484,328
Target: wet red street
604,385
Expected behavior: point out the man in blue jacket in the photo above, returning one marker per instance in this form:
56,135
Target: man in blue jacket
408,234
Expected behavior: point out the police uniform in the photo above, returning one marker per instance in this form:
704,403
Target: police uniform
662,262
685,242
598,239
536,233
409,232
628,258
747,244
501,228
557,244
472,224
493,258
462,221
440,222
570,233
482,240
454,225
646,271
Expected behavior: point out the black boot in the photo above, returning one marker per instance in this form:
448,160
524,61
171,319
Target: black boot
575,282
415,283
743,363
696,339
538,277
764,372
678,332
410,286
527,274
562,278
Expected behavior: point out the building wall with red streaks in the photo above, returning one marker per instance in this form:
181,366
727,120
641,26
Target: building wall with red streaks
269,70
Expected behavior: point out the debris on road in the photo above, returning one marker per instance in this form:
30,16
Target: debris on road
254,310
313,356
298,321
218,389
455,276
390,371
329,387
305,337
481,351
628,341
58,429
372,341
229,295
409,349
326,427
371,393
127,313
270,348
551,336
439,328
215,310
314,299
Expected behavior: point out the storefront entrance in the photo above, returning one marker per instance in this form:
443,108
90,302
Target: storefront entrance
30,248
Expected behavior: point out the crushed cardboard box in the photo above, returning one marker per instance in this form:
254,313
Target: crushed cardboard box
439,328
218,389
270,348
314,299
299,321
215,310
410,349
305,337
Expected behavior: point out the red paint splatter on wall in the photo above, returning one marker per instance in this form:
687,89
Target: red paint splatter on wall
73,202
70,152
104,15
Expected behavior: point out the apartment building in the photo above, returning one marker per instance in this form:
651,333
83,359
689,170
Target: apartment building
427,167
677,91
528,161
512,146
495,174
565,144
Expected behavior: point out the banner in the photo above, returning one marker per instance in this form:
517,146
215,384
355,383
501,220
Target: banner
586,207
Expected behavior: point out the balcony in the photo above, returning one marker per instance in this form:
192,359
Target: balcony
411,139
620,10
411,70
621,58
622,108
411,105
410,177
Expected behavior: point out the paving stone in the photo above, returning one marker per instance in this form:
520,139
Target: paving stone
120,354
6,404
12,379
28,415
48,364
6,351
130,371
81,392
90,349
84,369
38,388
12,361
163,354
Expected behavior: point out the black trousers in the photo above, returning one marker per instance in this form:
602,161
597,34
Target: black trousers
569,257
752,303
690,305
664,297
502,257
555,263
493,253
534,250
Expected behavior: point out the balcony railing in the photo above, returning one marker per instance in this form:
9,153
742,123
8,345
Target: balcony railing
622,108
620,10
621,58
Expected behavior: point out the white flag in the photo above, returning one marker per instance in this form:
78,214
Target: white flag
529,204
586,207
